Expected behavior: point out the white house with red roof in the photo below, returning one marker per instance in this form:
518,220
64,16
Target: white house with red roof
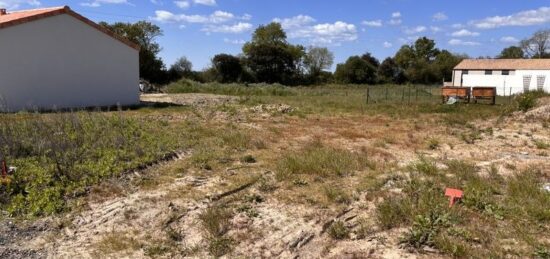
55,58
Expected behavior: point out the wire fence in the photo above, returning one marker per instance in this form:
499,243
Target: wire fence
425,94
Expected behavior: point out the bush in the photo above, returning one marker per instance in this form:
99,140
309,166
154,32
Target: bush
528,100
338,230
426,228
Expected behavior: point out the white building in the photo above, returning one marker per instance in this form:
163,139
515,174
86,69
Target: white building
55,58
509,76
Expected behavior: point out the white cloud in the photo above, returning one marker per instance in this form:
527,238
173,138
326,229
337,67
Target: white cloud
216,17
456,42
524,18
15,4
435,29
509,39
98,3
395,19
236,42
457,26
303,27
235,28
387,44
295,22
182,4
414,30
375,23
440,16
465,33
205,2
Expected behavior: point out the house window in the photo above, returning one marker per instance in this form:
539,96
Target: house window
464,72
505,72
488,72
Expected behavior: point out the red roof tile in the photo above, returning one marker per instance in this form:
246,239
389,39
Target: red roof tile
25,16
504,64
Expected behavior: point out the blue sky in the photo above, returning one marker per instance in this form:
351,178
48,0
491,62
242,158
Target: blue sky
199,29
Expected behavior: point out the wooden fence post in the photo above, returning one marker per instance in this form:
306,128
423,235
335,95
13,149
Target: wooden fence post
368,94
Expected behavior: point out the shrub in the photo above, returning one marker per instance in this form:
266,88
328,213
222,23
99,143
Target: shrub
426,228
526,101
249,159
338,230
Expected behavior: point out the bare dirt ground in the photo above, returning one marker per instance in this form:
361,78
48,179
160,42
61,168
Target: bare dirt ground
140,221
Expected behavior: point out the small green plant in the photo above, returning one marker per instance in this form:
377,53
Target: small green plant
541,144
338,230
215,222
526,101
220,246
249,159
266,185
392,212
425,229
336,194
433,143
425,166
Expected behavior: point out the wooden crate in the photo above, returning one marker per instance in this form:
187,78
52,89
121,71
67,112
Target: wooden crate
484,93
458,92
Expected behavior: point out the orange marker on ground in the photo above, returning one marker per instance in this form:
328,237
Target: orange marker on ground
453,195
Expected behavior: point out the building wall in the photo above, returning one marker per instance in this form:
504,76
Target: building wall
61,62
506,84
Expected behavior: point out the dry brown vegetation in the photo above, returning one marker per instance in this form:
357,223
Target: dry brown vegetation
342,180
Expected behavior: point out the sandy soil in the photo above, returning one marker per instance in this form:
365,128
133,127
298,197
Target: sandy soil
284,230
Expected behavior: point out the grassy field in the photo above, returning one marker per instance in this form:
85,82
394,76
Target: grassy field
354,175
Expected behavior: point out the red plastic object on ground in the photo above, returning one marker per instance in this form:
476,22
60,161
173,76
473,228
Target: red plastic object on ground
453,195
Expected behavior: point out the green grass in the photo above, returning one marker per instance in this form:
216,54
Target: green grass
215,222
319,160
59,156
494,209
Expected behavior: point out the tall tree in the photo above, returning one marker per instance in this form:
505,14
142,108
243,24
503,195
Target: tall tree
538,46
228,68
356,70
182,66
390,72
270,57
511,52
416,60
318,59
144,34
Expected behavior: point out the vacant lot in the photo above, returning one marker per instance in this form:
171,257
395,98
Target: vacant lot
280,172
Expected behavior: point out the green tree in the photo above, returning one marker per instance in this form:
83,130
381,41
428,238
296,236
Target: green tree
316,60
270,57
228,68
416,60
144,34
356,70
444,64
390,72
512,52
182,66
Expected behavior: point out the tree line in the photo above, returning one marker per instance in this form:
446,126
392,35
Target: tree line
269,58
